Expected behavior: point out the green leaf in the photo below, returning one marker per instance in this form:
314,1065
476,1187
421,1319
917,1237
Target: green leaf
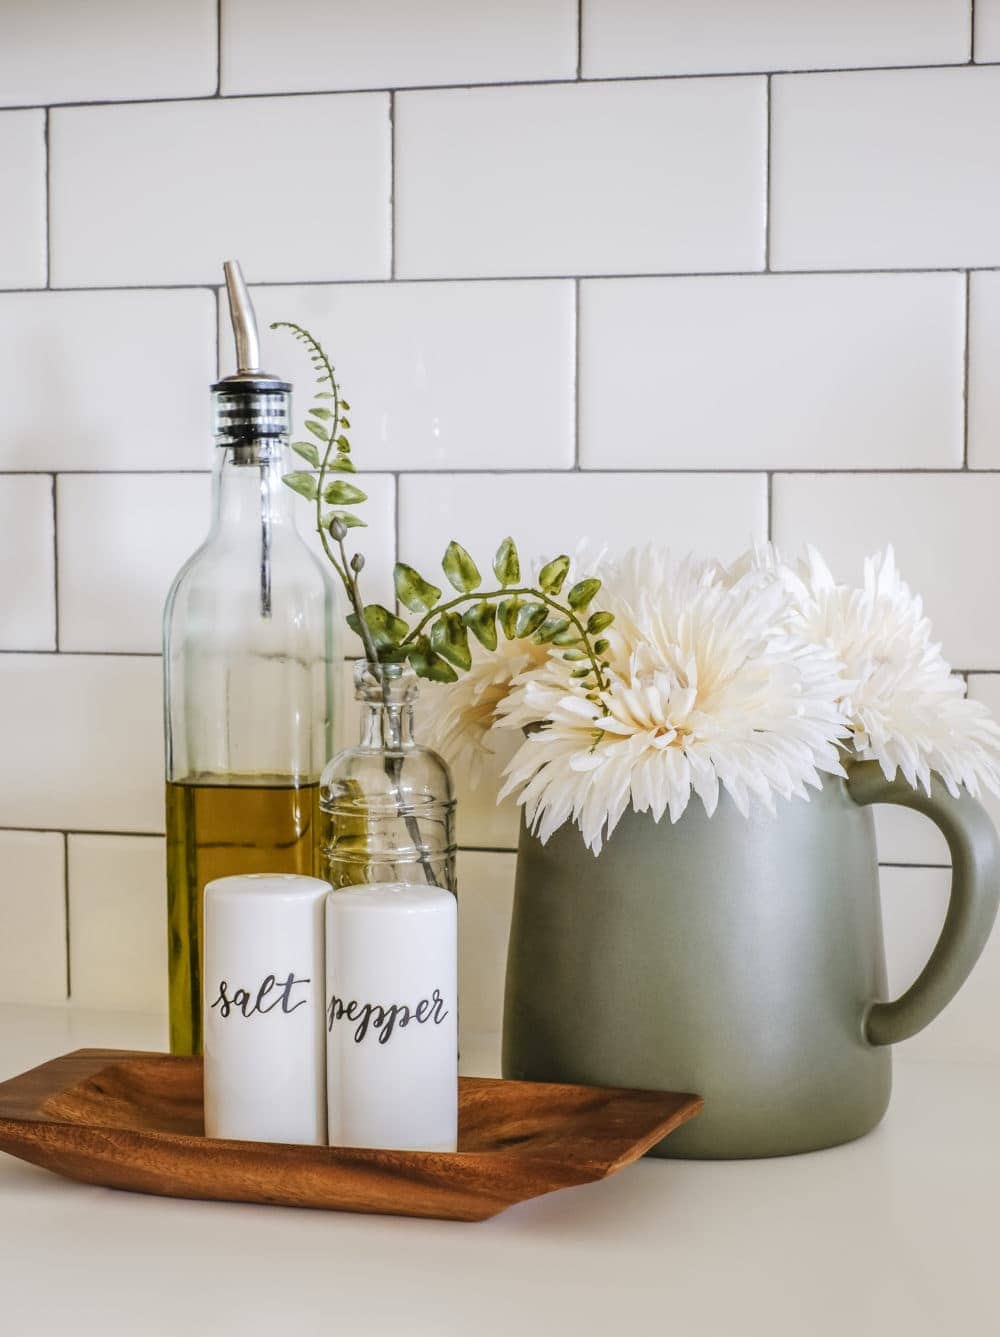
450,638
324,394
308,452
343,444
530,617
506,564
320,413
345,422
507,616
601,646
340,493
580,673
346,518
598,621
386,628
481,619
302,483
340,464
568,637
418,595
319,431
426,664
582,593
460,569
571,656
550,627
344,405
552,575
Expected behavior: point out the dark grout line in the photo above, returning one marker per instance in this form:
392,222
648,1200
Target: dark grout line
972,32
48,204
487,849
965,372
84,831
563,81
82,654
55,555
200,286
66,913
218,48
392,185
555,471
579,39
770,508
767,177
576,375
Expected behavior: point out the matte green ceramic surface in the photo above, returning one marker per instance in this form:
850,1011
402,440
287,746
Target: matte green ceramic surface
738,958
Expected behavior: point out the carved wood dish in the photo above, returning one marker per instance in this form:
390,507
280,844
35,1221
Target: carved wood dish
134,1121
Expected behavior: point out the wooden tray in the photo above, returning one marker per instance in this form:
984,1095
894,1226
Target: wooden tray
134,1121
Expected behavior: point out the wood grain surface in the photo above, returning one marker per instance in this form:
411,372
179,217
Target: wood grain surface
134,1121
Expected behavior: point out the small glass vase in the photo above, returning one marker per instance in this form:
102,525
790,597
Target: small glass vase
387,806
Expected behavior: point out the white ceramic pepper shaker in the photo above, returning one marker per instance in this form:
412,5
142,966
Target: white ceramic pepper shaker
265,1068
392,1014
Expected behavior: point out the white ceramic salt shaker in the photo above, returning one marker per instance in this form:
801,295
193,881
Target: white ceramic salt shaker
392,1014
265,1057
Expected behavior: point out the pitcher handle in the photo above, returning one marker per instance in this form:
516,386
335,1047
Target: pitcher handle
972,905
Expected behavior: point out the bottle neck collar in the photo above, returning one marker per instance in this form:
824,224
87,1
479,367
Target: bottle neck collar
386,705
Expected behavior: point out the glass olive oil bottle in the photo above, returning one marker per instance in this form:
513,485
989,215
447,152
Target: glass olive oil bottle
248,664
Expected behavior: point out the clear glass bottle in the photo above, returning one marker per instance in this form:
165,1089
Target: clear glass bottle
249,675
387,806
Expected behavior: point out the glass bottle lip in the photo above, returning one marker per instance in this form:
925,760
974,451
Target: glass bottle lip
398,685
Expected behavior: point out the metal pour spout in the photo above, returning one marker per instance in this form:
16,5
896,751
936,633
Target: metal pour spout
244,320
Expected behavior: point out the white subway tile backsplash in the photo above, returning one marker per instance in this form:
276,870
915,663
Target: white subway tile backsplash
942,526
546,514
438,375
839,371
62,51
122,539
106,380
82,742
22,189
891,169
987,30
117,916
165,192
485,898
32,917
908,837
984,361
581,179
27,555
636,37
914,901
393,43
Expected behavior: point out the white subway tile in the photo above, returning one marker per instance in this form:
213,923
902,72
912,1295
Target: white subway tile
914,901
27,555
984,359
905,836
581,178
62,51
22,217
122,539
438,375
987,30
393,43
82,742
986,688
485,898
546,514
106,380
33,916
888,169
636,37
118,922
377,543
943,527
165,192
859,371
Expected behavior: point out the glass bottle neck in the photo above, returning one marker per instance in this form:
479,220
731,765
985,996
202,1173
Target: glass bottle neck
247,486
386,725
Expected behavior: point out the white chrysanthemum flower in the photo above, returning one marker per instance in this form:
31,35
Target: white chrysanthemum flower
704,688
465,712
905,707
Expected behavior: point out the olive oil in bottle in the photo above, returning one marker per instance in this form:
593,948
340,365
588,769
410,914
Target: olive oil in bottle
248,653
220,825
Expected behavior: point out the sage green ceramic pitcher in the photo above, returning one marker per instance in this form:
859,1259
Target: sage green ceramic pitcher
739,958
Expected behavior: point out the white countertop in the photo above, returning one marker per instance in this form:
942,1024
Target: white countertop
896,1233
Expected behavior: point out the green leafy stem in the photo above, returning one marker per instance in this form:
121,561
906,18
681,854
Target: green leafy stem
437,645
